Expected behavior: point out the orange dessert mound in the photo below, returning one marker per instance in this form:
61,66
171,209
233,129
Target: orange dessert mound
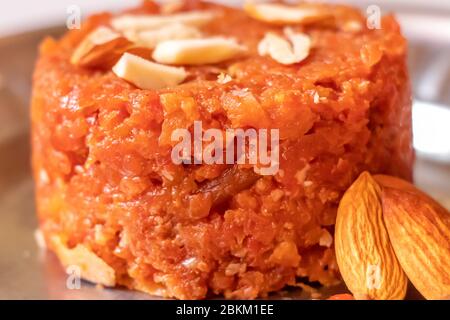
111,200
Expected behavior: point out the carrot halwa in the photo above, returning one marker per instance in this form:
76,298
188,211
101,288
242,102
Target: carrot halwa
107,189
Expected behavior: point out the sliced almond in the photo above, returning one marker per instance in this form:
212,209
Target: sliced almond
98,46
281,14
223,78
171,6
150,38
40,240
92,267
146,74
145,22
197,51
283,51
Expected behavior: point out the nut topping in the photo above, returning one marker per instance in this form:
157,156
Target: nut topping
224,78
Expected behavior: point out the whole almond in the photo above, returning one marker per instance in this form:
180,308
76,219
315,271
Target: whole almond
366,259
419,230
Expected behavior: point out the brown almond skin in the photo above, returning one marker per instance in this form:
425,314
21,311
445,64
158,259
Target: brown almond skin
419,229
361,240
